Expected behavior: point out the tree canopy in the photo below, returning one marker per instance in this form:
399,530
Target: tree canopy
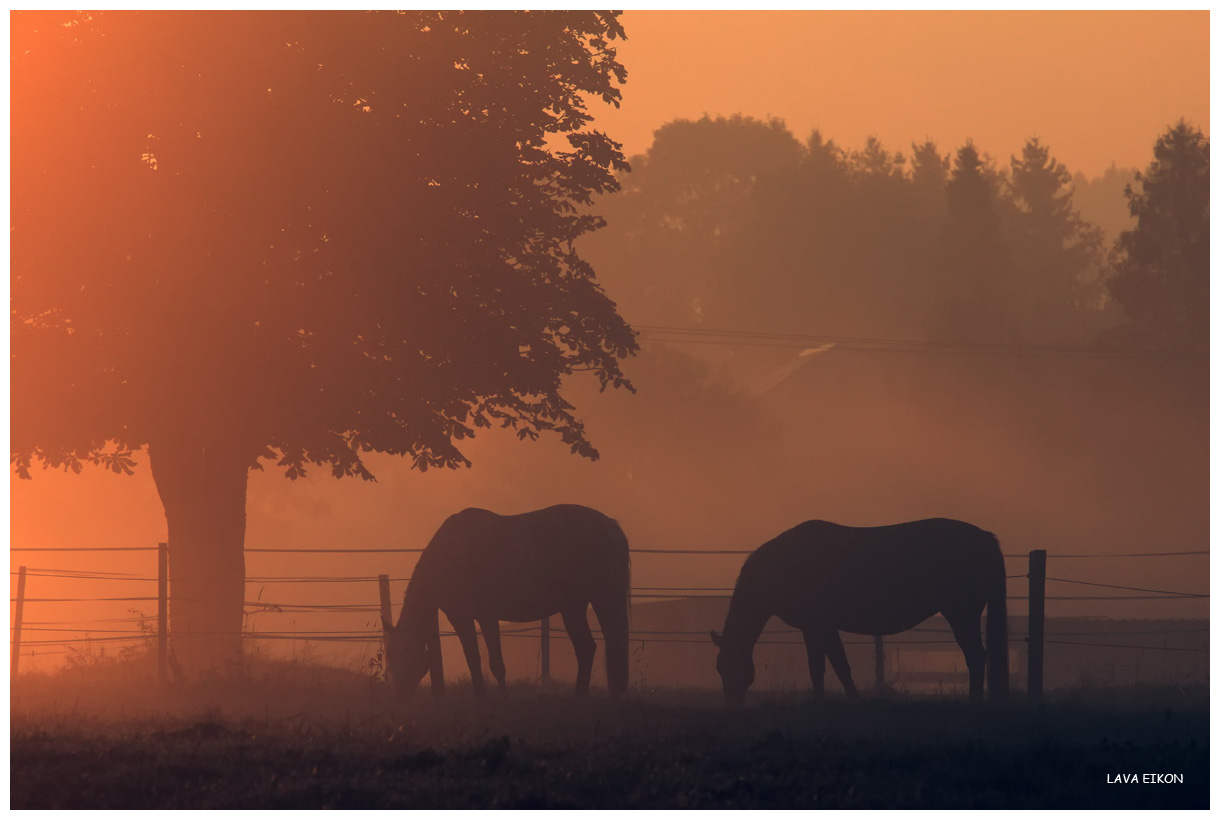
734,223
1059,254
310,235
1162,273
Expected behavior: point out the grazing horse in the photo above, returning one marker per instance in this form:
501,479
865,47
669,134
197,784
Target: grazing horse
488,568
821,577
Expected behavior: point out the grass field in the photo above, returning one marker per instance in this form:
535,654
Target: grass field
300,736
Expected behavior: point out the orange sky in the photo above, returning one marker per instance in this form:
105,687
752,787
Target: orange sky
1096,86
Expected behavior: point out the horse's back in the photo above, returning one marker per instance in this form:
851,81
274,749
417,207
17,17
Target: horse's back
519,565
561,529
930,538
900,573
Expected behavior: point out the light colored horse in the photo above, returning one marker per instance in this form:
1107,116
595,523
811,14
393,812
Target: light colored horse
821,577
484,567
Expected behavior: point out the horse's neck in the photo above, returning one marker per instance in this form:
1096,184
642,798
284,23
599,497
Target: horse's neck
419,603
748,614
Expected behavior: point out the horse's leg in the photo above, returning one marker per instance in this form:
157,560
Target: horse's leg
495,658
576,621
838,662
969,635
614,619
464,627
815,648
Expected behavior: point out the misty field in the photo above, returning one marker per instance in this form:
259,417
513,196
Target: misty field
315,737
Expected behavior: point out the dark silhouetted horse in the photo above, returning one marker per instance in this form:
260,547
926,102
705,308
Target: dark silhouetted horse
488,568
821,577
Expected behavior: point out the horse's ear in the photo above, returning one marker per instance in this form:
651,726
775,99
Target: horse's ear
715,638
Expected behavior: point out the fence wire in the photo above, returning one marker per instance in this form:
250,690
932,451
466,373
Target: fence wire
641,592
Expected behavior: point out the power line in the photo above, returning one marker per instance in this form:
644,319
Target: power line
88,631
1192,630
83,577
1132,646
148,619
1135,589
683,589
114,639
746,338
79,600
1131,554
633,551
82,549
340,551
319,579
82,572
676,596
1111,597
691,552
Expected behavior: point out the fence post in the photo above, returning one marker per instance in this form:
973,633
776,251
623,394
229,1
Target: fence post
1037,618
162,611
17,619
387,617
546,649
383,587
879,656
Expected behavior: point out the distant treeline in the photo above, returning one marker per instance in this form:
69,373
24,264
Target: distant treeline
733,222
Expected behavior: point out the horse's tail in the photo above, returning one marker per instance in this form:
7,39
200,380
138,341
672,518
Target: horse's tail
614,614
997,630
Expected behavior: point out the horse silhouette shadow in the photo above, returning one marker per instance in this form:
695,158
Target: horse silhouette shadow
821,577
484,568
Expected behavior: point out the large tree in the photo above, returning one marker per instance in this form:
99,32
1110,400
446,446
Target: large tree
296,238
1162,274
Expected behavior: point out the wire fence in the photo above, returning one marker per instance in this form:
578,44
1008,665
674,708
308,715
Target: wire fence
51,636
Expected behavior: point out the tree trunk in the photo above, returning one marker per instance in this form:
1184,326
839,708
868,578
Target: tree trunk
202,484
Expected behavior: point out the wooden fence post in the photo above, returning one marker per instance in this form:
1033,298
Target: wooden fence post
546,649
162,611
387,617
17,619
879,657
1037,619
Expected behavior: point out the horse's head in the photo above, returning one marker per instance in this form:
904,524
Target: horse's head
406,655
736,668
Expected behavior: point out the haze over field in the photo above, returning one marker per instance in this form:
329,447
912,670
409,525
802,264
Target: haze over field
770,241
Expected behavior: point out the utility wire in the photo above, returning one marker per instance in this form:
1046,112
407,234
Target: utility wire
82,549
1132,646
1135,589
754,338
79,600
633,551
1131,554
341,551
676,595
